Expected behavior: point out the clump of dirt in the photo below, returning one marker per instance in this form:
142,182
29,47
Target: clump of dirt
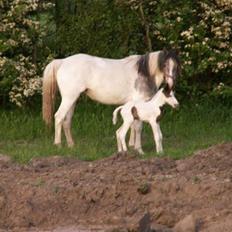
57,193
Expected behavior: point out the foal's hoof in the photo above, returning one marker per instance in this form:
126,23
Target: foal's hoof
160,153
122,153
131,144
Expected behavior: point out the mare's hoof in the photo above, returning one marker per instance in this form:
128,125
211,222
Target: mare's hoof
70,145
57,144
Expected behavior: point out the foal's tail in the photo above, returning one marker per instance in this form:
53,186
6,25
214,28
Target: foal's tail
115,113
49,90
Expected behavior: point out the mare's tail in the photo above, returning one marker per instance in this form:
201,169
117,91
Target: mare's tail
49,90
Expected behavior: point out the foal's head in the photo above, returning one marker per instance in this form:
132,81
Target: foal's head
169,63
167,97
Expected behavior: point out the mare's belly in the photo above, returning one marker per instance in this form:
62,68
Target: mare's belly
110,96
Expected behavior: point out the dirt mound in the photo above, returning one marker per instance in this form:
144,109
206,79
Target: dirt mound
120,193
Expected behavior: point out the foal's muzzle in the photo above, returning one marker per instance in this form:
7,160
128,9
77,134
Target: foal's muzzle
176,106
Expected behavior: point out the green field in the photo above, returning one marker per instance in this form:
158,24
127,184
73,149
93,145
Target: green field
194,126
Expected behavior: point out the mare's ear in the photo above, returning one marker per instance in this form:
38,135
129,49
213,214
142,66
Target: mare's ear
162,58
176,54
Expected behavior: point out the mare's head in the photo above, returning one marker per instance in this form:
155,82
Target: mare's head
166,95
169,64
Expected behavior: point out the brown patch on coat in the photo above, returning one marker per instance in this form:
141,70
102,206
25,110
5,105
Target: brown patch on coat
135,113
160,115
145,86
143,66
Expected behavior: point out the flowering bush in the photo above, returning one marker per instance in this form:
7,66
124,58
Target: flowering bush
207,42
20,40
27,83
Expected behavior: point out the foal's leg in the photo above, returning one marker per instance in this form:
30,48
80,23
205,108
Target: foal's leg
160,138
157,136
119,144
132,136
138,125
67,126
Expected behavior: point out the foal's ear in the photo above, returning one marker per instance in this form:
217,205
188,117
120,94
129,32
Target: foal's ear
166,90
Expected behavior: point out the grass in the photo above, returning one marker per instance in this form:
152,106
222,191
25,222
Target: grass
193,127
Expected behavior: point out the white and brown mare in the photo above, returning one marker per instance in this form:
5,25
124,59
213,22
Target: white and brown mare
109,81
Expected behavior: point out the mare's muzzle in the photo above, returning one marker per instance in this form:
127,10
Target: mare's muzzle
170,80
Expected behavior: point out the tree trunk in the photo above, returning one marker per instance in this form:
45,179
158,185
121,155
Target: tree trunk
146,28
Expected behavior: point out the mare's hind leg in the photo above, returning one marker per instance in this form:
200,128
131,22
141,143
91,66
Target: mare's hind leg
67,126
60,115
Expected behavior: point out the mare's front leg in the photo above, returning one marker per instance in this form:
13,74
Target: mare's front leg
157,136
138,126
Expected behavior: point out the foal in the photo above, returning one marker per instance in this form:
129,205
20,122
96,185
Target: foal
149,111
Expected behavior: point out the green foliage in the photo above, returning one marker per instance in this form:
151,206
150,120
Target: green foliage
96,27
31,34
222,92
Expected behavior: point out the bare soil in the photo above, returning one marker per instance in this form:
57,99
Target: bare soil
114,194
